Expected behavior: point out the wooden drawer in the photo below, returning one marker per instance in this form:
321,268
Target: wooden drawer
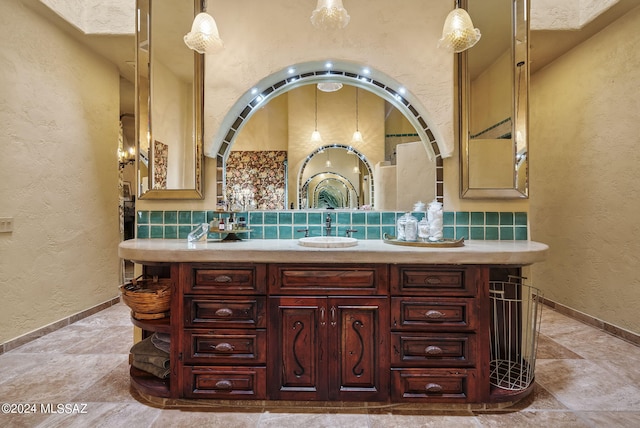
224,312
414,313
426,281
226,346
345,279
227,279
240,383
433,350
434,385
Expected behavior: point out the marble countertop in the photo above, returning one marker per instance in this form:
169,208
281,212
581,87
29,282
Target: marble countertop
367,251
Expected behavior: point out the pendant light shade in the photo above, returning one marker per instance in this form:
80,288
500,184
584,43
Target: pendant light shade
204,36
357,135
458,33
315,135
330,15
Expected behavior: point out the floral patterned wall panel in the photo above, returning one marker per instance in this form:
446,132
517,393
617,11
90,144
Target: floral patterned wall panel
160,159
257,180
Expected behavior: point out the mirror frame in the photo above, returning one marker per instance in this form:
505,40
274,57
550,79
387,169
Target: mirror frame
144,33
519,107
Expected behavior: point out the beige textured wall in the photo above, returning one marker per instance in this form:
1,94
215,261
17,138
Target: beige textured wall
59,135
584,175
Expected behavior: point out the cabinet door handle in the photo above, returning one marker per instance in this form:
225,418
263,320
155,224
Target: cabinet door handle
222,278
333,316
433,388
322,320
224,312
224,384
223,347
434,315
433,350
433,280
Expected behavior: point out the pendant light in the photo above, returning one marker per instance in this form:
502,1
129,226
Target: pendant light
315,135
458,33
357,136
328,162
330,15
204,36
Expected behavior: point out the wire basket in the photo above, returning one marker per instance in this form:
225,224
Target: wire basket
515,320
148,298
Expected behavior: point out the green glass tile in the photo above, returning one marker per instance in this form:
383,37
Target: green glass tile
315,218
285,218
143,217
448,218
462,217
521,219
419,214
243,214
171,217
462,232
477,219
360,233
210,216
257,232
389,230
198,217
506,233
157,232
343,218
183,231
388,217
184,217
255,218
143,232
270,218
315,230
171,232
300,218
476,233
521,233
357,218
506,219
270,232
285,232
448,232
156,217
373,232
298,232
492,218
373,218
491,233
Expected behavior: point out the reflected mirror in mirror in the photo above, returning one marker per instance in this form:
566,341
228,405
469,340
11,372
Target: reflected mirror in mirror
280,167
169,102
493,80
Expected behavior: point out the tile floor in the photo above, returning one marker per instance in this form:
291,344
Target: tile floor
585,378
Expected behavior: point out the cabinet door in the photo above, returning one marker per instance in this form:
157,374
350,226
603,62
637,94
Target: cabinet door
358,348
297,359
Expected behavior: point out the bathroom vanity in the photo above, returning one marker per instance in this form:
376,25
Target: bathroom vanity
273,320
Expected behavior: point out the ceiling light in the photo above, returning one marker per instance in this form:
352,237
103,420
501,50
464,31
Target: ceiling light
329,86
357,136
204,36
458,33
329,15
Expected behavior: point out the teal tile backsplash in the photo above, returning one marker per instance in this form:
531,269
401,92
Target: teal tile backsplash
504,226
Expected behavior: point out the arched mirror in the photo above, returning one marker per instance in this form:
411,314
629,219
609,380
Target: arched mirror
272,150
493,81
169,101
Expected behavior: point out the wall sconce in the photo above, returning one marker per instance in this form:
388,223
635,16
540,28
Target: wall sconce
204,36
330,15
126,157
458,33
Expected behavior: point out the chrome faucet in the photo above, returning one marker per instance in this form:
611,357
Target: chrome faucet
327,224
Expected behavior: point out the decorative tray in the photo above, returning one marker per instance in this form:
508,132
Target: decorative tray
231,235
445,243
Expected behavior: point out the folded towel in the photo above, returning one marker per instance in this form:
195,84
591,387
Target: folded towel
146,347
160,362
161,341
160,372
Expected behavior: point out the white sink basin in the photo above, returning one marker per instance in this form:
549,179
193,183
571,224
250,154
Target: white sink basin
328,241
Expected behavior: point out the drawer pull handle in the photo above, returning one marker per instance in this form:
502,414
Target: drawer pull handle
223,347
433,388
434,315
222,278
224,384
224,312
433,280
433,350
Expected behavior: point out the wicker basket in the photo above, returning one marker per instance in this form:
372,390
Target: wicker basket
148,298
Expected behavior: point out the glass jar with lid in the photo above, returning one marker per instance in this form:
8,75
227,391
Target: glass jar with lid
407,228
